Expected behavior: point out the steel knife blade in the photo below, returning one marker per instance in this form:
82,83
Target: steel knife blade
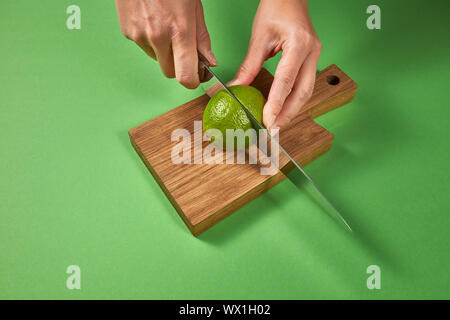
297,171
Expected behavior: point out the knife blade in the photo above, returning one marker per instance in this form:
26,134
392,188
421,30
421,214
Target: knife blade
292,175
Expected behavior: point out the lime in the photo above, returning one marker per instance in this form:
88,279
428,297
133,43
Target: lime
223,112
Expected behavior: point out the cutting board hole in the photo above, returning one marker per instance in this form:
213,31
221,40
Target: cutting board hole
333,80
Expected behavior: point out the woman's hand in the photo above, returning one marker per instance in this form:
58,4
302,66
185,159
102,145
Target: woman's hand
283,25
170,31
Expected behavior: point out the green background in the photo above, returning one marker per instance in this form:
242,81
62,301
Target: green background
73,190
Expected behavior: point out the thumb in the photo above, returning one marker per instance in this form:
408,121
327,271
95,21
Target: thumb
251,65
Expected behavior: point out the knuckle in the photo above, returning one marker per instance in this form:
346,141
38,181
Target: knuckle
276,105
183,54
286,81
180,30
246,71
187,80
308,39
304,39
243,69
318,46
305,93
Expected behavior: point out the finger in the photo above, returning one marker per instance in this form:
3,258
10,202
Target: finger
301,92
161,46
285,75
164,55
252,64
144,45
203,39
184,47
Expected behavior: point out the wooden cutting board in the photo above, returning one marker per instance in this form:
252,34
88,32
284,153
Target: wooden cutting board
203,194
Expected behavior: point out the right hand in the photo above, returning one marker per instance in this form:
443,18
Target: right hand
283,25
170,31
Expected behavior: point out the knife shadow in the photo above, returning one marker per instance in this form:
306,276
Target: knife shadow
321,170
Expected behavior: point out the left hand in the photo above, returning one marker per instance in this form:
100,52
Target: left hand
283,25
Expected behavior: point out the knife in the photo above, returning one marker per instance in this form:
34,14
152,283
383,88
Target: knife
294,175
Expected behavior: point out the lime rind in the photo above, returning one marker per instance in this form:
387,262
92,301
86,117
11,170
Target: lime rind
224,112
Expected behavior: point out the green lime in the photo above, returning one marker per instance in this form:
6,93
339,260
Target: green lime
223,112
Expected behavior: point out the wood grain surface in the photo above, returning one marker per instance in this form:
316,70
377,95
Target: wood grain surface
203,194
